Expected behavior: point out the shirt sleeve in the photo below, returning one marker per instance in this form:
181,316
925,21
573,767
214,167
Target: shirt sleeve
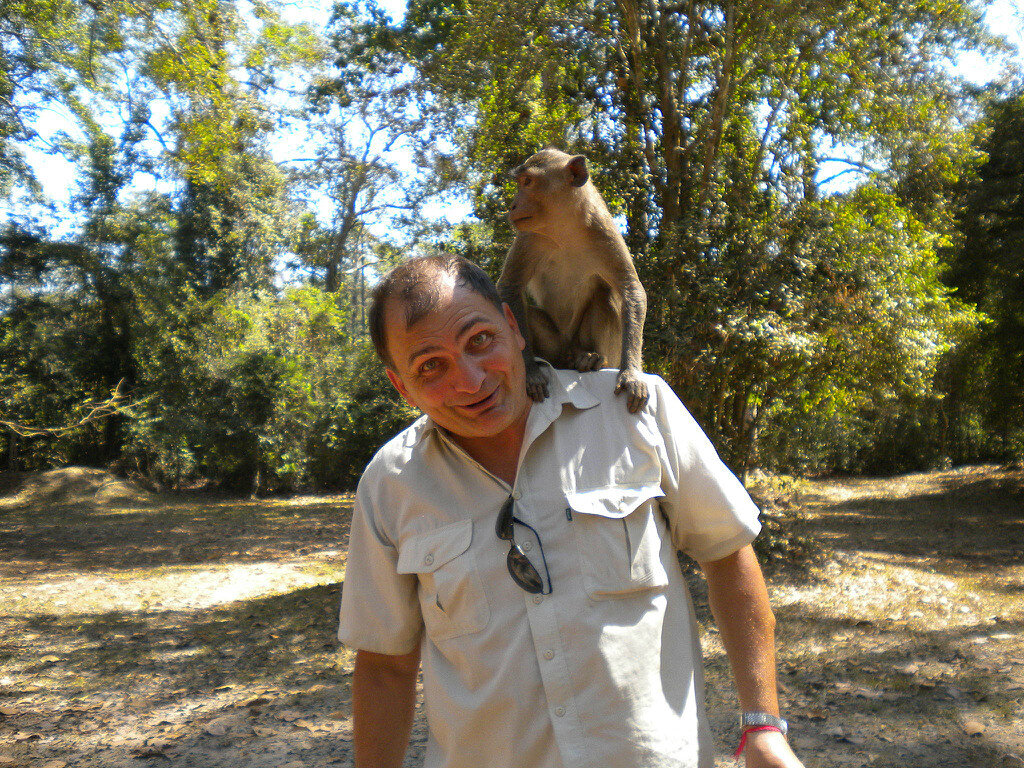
710,514
380,611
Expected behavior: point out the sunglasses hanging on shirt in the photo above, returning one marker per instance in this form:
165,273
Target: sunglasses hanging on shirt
520,568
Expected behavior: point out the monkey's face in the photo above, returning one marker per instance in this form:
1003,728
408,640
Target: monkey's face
462,365
529,212
549,191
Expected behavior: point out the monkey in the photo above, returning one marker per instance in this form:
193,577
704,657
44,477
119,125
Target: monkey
568,257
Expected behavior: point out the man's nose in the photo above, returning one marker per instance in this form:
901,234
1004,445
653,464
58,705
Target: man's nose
469,375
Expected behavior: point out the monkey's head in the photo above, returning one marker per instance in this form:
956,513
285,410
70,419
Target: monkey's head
551,186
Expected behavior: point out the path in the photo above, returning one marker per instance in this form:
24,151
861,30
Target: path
198,632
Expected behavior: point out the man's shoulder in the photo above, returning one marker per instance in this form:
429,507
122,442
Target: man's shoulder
601,385
397,452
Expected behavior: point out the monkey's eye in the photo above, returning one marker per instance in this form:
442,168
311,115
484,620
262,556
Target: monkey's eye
527,180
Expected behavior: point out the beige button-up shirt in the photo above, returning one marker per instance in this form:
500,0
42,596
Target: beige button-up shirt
603,672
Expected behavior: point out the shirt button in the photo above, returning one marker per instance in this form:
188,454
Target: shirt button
429,559
537,599
549,655
560,712
517,495
527,546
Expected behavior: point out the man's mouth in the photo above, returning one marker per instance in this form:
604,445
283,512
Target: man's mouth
482,404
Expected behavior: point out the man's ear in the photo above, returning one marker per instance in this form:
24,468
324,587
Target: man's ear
510,318
397,384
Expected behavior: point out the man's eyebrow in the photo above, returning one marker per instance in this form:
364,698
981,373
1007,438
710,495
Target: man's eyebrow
421,351
466,327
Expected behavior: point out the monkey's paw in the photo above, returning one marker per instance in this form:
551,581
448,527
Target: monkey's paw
635,387
589,361
536,384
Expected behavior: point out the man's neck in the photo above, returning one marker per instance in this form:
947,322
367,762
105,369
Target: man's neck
498,454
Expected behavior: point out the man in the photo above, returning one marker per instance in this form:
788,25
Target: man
527,551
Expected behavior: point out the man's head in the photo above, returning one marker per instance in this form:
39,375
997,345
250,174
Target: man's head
451,348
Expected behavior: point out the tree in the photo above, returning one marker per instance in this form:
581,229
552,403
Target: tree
987,270
714,128
178,92
378,161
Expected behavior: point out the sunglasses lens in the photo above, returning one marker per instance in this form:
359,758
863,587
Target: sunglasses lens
523,572
503,528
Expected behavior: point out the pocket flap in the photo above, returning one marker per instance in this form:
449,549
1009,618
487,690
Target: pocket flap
426,552
614,501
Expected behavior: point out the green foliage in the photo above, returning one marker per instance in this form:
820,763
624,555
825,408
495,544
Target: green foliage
263,393
784,173
987,375
49,363
713,128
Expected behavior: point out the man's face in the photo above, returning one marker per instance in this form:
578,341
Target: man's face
461,364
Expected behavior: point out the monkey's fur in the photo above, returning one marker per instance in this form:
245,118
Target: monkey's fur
587,304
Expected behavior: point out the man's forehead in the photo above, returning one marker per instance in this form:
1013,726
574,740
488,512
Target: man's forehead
403,312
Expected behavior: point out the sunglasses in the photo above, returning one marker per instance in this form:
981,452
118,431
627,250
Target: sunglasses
520,568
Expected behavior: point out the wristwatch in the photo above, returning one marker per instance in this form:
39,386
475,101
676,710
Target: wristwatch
754,719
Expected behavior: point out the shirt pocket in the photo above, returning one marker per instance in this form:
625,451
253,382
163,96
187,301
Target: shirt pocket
620,539
451,595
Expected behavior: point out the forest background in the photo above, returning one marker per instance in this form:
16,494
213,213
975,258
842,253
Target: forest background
827,216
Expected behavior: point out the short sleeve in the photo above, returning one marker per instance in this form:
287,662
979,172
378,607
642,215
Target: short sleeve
710,514
380,611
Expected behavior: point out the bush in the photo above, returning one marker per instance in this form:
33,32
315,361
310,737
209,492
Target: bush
263,393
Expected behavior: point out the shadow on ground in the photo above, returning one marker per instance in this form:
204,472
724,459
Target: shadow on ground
168,531
961,518
262,683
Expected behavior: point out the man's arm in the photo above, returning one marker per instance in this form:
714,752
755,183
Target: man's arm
383,700
739,602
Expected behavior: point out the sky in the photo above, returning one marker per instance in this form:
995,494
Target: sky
58,175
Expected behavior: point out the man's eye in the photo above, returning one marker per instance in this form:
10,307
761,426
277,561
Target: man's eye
480,339
428,366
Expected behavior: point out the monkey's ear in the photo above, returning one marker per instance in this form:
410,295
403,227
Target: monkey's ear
578,170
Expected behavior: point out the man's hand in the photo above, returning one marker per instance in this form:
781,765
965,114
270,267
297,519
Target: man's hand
769,749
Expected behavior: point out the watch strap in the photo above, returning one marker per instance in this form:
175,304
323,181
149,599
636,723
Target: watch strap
749,719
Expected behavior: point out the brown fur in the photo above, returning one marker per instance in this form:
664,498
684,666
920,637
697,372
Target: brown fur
587,305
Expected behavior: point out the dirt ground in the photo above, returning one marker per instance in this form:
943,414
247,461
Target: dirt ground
198,631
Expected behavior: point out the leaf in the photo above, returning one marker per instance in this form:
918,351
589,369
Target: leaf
216,728
974,728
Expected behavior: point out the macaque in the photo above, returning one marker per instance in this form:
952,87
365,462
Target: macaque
587,305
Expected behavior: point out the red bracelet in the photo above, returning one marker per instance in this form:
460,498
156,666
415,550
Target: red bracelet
752,729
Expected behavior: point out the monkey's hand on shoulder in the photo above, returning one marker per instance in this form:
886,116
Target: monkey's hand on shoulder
536,383
634,386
